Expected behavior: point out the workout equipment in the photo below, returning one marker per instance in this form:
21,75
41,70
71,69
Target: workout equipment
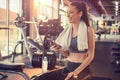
21,22
2,76
115,52
51,57
13,68
51,27
36,59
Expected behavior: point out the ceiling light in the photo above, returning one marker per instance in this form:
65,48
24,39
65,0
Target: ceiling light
116,3
116,7
116,13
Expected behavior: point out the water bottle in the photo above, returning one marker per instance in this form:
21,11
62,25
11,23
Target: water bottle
44,64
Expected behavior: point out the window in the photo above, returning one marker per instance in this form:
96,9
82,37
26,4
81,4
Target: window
48,9
9,32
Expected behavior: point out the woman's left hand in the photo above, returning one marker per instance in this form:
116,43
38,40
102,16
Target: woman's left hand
69,76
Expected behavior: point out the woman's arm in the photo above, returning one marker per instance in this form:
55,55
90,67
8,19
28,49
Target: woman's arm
91,48
65,53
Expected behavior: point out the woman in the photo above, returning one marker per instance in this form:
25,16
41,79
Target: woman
79,52
77,45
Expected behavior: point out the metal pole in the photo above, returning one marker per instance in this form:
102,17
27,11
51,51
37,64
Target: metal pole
26,43
7,24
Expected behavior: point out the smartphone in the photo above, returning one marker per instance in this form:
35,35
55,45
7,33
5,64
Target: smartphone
52,42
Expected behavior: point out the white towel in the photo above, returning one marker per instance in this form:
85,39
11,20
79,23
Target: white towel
65,36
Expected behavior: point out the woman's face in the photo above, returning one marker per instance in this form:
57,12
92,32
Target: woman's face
73,14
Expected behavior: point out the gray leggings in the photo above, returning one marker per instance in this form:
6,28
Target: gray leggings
62,73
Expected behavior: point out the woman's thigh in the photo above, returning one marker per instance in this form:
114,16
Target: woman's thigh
84,75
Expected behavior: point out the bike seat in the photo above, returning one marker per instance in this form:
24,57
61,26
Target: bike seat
12,66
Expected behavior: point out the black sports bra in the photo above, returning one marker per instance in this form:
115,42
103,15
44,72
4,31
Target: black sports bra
73,46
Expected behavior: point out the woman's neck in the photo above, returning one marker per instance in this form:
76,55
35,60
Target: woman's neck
75,25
